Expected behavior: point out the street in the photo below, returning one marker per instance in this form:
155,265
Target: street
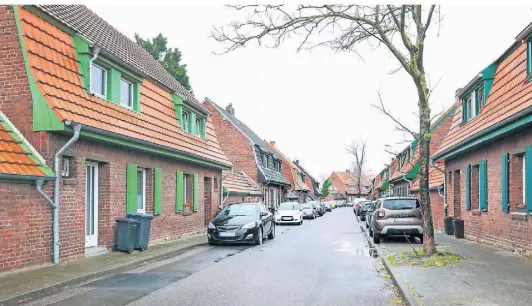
323,262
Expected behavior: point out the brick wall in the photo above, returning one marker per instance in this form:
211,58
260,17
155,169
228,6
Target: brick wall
436,205
239,199
25,226
511,231
235,146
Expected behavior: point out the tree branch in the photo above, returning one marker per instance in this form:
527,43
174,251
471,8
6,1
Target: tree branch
387,113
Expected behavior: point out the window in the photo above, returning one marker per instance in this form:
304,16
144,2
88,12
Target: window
66,170
351,187
141,190
98,81
185,121
264,160
475,187
469,109
480,97
126,94
198,127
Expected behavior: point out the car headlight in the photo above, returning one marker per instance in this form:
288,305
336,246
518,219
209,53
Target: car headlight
249,225
211,226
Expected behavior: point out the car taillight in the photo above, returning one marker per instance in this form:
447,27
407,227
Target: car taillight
380,214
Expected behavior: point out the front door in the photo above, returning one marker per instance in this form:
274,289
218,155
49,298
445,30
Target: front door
91,205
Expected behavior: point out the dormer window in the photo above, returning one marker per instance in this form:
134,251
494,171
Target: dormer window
126,94
529,58
480,97
198,127
98,81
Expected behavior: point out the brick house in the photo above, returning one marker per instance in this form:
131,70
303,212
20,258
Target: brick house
436,188
128,137
249,153
311,182
299,190
488,151
344,186
238,187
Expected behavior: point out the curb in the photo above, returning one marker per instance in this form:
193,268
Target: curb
399,283
45,291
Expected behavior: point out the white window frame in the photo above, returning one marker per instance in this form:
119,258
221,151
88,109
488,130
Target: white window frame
477,92
198,126
185,179
97,94
184,118
143,178
130,94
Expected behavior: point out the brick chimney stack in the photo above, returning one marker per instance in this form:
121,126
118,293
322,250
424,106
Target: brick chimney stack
272,143
230,109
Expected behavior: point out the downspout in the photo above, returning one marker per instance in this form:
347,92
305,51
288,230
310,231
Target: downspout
409,183
222,189
96,51
57,169
39,183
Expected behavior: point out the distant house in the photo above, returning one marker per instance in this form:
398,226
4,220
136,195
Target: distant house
299,189
249,153
345,184
311,182
238,187
488,151
129,138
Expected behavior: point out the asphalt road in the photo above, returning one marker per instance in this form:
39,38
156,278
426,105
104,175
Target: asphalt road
323,262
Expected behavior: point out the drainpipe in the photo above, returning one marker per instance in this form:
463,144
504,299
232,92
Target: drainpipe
222,189
57,169
409,182
39,183
96,51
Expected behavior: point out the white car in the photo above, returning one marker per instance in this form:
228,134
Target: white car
289,213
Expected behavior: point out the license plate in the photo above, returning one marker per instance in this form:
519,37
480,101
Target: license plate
227,234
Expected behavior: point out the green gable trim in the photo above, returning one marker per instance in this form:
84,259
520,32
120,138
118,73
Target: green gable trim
25,145
439,122
178,105
502,128
44,118
81,47
147,147
385,185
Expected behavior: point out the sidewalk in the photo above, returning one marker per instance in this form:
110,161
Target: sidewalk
487,276
33,283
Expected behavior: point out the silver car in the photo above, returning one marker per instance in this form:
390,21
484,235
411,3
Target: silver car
309,211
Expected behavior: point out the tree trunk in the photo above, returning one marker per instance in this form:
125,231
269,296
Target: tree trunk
429,245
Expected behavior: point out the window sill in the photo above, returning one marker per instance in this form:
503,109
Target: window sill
519,216
70,181
476,212
187,213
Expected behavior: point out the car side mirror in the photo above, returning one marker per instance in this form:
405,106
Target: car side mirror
263,214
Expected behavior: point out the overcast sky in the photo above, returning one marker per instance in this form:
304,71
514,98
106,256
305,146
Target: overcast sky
314,103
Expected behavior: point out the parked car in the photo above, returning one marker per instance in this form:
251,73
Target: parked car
289,213
397,216
328,206
323,207
241,222
365,209
349,204
333,205
370,213
318,207
340,204
309,211
357,208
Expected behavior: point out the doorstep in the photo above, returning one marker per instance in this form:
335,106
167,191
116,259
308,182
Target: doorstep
32,283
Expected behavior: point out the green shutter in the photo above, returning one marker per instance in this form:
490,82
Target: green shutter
528,178
179,201
504,187
464,111
468,187
157,191
131,188
483,185
195,194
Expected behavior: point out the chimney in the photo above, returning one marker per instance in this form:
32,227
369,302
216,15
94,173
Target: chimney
347,171
272,143
296,162
230,109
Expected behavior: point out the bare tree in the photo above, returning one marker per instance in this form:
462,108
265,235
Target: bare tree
357,148
402,29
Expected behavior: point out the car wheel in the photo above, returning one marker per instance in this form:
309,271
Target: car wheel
258,239
420,238
367,226
376,238
271,235
301,222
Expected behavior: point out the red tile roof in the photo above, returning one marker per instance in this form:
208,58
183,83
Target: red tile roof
345,179
300,185
17,156
436,177
54,65
509,95
239,182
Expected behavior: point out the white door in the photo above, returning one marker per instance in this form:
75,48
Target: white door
91,205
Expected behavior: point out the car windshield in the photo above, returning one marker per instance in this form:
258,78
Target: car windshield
306,206
239,210
366,206
316,204
288,206
400,204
